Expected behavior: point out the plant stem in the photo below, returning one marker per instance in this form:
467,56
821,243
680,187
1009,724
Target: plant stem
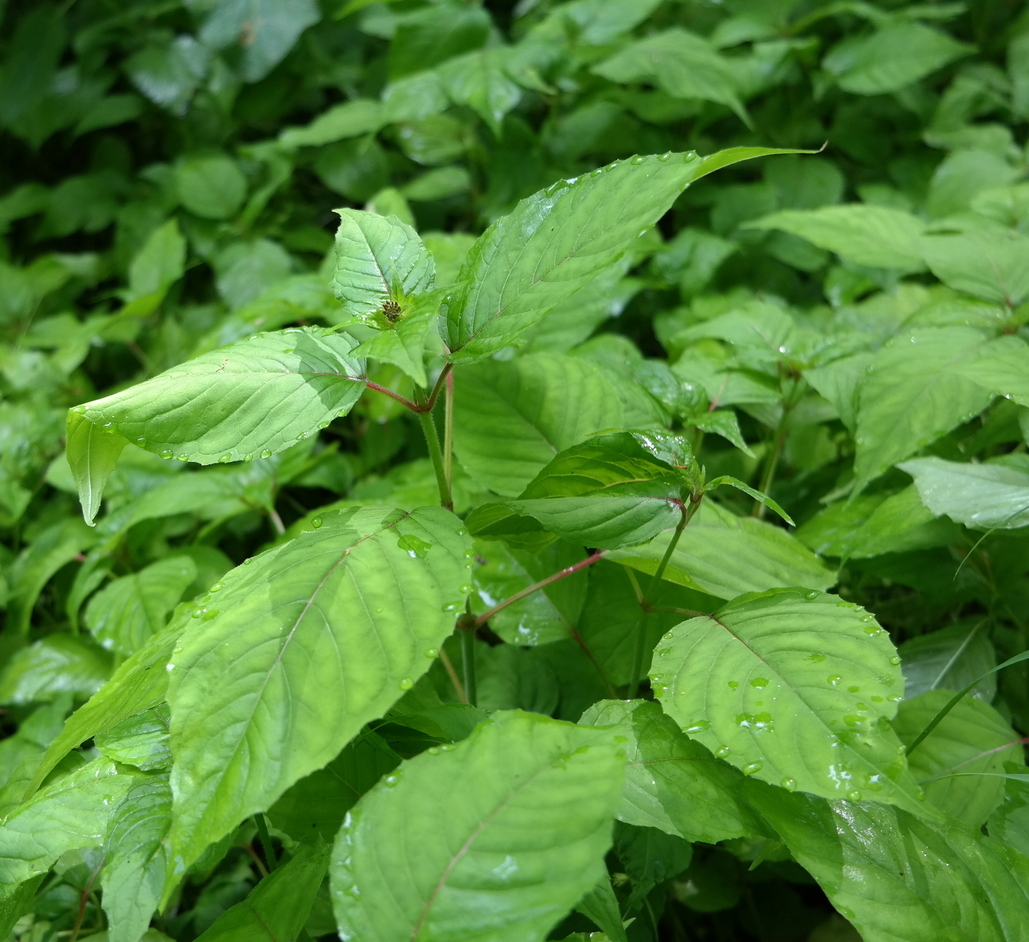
452,674
773,460
389,392
448,429
441,381
468,665
542,584
266,840
641,625
438,464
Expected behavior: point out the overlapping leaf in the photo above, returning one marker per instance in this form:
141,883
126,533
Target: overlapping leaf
978,495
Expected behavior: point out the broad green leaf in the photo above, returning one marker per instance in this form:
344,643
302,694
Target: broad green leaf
136,858
546,615
169,70
92,453
913,393
71,813
725,555
793,687
672,782
278,907
142,740
128,611
983,496
891,58
1010,822
158,265
601,906
253,398
839,382
300,648
876,236
379,260
479,80
969,739
950,659
263,30
873,524
558,240
496,838
900,879
16,903
680,63
610,491
57,664
212,187
989,263
1001,369
511,419
516,678
351,119
650,857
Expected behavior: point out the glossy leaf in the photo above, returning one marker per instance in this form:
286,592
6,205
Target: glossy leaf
671,782
793,687
650,857
141,740
505,854
983,496
92,453
279,905
989,263
969,740
950,659
919,881
54,665
379,259
725,555
300,648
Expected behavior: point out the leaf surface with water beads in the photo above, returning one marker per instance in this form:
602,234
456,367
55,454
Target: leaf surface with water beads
795,688
298,650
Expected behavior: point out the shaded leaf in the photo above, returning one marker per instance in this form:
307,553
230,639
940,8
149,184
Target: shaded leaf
983,496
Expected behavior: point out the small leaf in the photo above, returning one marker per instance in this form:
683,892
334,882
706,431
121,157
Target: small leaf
92,453
353,118
57,664
793,687
211,187
505,855
730,481
989,263
984,496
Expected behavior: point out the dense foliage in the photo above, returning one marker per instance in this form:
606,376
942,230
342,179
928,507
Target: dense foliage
593,537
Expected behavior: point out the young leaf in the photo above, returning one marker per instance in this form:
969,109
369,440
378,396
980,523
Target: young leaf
984,496
557,241
730,481
379,260
793,687
298,650
278,907
498,837
919,881
253,398
671,782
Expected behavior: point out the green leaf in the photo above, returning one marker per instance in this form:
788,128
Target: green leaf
278,907
650,857
671,782
511,419
71,813
298,650
725,555
479,80
983,496
557,241
913,393
950,659
136,858
969,739
263,31
601,906
57,664
92,453
227,405
793,687
410,339
891,58
729,481
353,118
1001,369
498,837
141,740
919,881
610,491
211,187
989,263
378,259
877,236
682,64
169,70
158,265
128,611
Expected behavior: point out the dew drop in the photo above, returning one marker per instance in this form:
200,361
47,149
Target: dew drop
166,453
816,658
895,660
406,683
697,727
759,682
211,614
390,780
267,453
752,767
637,160
217,587
432,652
854,795
197,612
248,560
316,522
854,689
433,750
225,458
182,457
415,547
664,158
789,784
733,684
722,752
835,680
876,699
812,595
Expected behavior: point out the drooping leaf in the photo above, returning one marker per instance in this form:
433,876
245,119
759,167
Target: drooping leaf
300,648
877,236
983,496
507,853
672,782
379,260
92,453
278,907
725,555
253,398
793,687
920,881
136,858
969,740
